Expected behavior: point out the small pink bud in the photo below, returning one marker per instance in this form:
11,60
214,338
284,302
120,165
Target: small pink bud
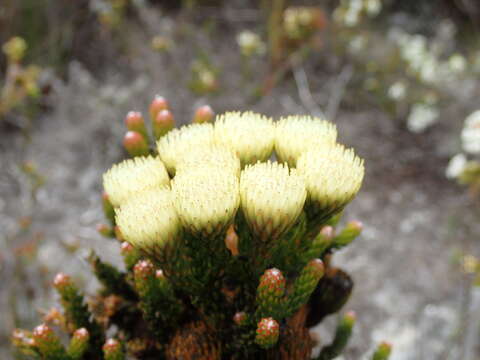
134,122
163,123
159,274
317,267
268,331
61,281
42,331
272,281
112,349
81,333
135,144
159,103
355,224
327,231
350,318
203,114
126,248
240,317
144,269
105,230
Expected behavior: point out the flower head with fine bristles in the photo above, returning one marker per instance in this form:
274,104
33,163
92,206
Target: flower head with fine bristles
148,221
251,136
133,176
214,156
296,134
178,142
206,201
333,176
272,197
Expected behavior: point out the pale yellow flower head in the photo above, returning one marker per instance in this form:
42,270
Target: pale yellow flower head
251,136
272,198
212,156
177,143
333,176
132,176
206,199
296,134
148,220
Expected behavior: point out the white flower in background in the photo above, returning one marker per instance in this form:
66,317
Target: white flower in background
457,63
351,18
471,133
357,44
373,7
429,69
421,117
397,91
456,166
250,43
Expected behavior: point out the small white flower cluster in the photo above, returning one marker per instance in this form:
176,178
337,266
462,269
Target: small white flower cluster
470,138
301,21
350,12
424,58
250,43
421,117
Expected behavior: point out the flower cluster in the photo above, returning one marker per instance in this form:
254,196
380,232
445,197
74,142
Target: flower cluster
207,186
464,170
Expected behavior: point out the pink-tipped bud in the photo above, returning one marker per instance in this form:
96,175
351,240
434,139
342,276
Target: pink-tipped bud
112,350
144,269
81,333
383,351
349,318
163,123
105,230
53,316
135,144
267,333
126,248
272,283
317,268
240,318
158,104
62,281
348,234
327,232
203,114
21,338
159,274
134,122
42,331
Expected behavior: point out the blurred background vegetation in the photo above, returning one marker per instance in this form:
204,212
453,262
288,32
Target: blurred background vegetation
401,79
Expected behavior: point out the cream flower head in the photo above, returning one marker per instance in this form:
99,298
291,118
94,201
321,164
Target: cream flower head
148,220
250,135
214,156
132,176
206,201
296,134
272,198
333,176
177,143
